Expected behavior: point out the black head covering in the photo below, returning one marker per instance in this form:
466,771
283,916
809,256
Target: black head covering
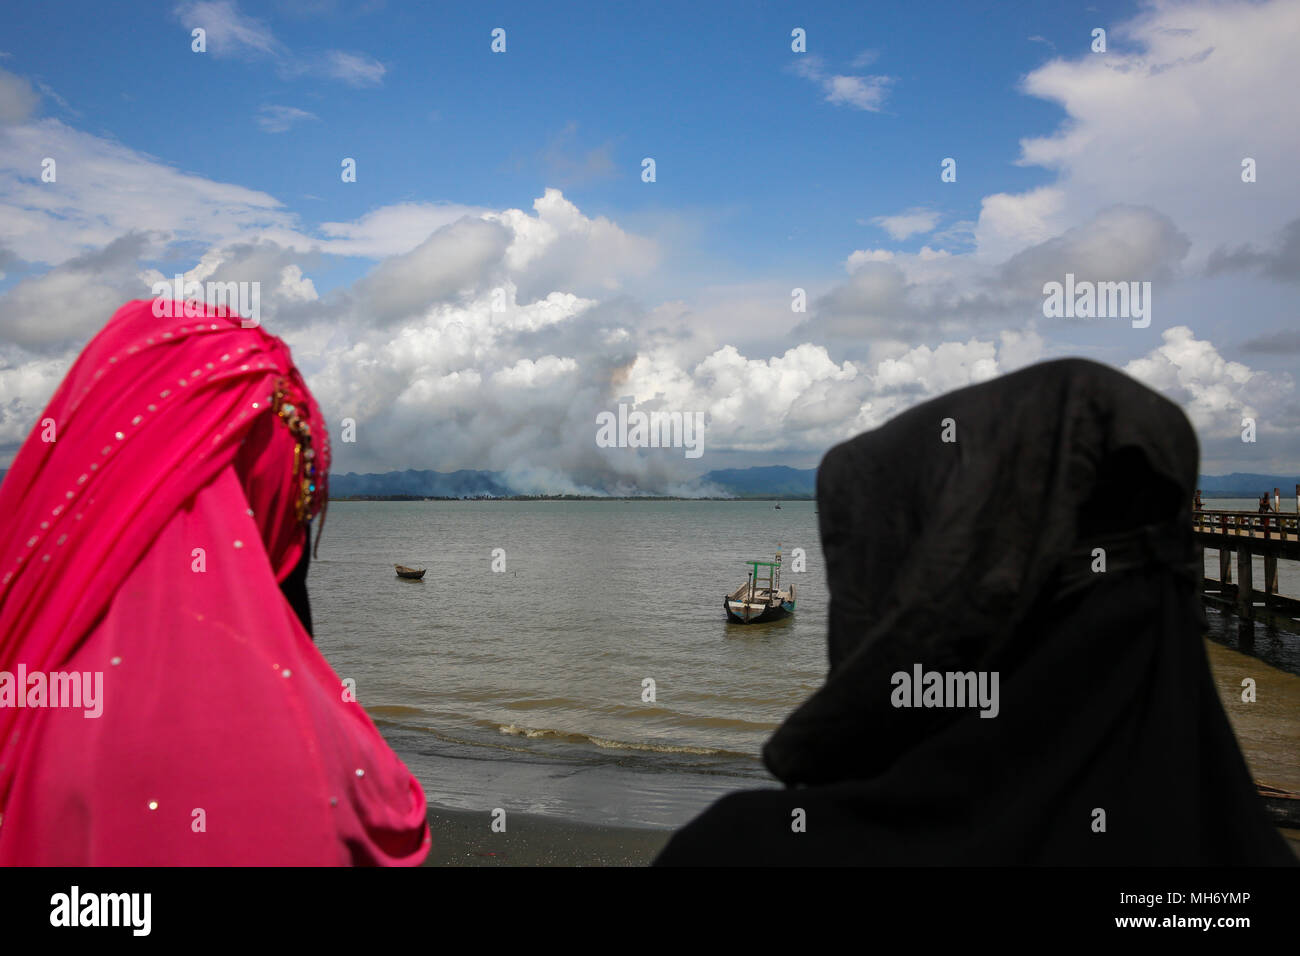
977,554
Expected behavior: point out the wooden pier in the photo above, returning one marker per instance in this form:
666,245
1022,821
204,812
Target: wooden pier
1273,535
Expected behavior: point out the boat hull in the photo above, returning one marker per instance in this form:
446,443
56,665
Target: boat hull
1282,806
773,612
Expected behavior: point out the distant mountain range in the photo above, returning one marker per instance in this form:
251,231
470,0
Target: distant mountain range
774,481
1246,485
424,484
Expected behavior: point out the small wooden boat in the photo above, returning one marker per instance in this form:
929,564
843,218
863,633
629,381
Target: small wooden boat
1283,806
413,574
760,598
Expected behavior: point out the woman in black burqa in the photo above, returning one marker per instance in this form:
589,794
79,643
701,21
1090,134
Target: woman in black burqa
986,553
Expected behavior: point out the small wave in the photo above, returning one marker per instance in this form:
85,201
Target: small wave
539,702
393,710
605,743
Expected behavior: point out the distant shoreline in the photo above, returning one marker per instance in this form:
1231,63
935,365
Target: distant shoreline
1215,496
571,498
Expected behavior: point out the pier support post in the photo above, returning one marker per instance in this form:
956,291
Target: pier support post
1270,579
1245,585
1225,568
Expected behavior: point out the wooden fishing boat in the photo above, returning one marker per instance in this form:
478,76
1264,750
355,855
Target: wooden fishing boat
760,598
413,574
1283,806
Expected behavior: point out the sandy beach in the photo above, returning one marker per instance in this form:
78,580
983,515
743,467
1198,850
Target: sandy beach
465,838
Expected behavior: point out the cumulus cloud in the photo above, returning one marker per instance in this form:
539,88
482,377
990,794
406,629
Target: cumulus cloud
1008,223
562,248
1186,92
391,230
457,258
1215,393
67,304
1122,243
490,338
26,386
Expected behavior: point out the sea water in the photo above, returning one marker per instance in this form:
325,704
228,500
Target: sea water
529,688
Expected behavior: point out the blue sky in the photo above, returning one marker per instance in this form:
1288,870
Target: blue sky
775,170
778,179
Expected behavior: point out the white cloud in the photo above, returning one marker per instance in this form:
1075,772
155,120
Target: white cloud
438,377
229,32
860,92
65,305
458,258
355,69
18,101
105,190
908,223
561,248
862,256
232,33
26,385
391,230
1166,116
1008,223
1215,393
277,119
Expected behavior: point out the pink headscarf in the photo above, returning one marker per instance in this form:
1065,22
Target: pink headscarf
148,521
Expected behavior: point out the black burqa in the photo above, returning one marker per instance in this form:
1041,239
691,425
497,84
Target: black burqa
979,555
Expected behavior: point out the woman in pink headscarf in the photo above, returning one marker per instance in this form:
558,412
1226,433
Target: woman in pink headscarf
156,529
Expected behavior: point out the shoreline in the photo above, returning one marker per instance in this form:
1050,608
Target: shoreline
465,838
626,816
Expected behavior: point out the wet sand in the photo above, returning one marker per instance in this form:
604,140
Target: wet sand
1268,727
465,838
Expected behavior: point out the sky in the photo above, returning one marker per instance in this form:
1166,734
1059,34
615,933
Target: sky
799,268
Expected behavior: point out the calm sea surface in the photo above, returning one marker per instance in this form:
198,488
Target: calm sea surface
524,688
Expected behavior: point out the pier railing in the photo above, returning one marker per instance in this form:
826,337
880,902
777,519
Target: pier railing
1249,524
1245,535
